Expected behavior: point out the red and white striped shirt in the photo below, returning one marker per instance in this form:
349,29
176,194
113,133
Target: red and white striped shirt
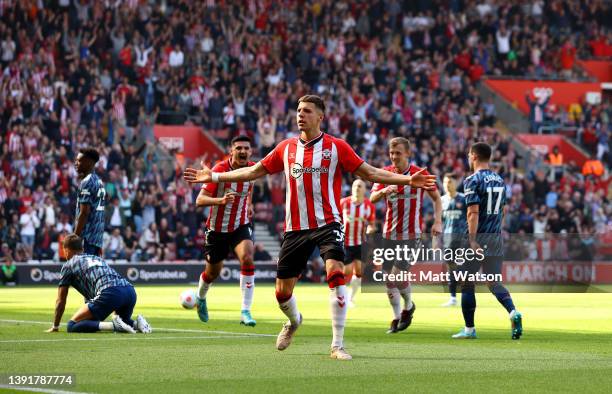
356,218
403,219
313,172
227,218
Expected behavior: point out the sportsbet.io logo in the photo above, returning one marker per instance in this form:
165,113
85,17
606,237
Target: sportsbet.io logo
297,170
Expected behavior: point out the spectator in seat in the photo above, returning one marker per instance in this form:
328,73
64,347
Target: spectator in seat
8,273
555,159
261,254
29,222
132,252
114,247
185,245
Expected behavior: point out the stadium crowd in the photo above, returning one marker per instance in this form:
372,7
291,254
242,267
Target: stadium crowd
98,73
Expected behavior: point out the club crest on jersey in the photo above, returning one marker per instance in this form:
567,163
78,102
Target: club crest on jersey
326,154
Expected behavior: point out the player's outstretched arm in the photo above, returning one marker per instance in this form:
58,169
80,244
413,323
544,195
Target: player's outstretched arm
373,174
206,175
60,306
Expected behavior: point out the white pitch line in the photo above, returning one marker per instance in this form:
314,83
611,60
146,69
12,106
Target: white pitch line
38,390
247,334
122,338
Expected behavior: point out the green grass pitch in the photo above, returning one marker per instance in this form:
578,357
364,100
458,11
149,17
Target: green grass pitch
567,345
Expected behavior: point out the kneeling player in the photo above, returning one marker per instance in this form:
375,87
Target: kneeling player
357,213
229,228
105,289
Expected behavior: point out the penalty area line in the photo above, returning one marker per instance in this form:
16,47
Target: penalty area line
192,331
123,338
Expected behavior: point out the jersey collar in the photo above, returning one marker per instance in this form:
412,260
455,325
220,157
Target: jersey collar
312,141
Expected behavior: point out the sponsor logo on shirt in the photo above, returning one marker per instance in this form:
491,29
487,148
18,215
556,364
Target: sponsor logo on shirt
297,170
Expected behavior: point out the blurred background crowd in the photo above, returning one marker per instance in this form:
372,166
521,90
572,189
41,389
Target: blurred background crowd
80,73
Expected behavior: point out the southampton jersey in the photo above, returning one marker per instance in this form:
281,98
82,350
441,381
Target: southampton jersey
313,172
403,219
227,218
454,214
356,218
89,275
91,192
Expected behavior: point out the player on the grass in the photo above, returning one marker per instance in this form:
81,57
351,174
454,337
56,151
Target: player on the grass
91,200
228,228
403,222
104,289
313,164
485,196
455,227
358,214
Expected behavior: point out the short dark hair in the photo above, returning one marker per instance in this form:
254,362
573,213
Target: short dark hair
482,151
240,138
73,242
91,154
316,100
451,175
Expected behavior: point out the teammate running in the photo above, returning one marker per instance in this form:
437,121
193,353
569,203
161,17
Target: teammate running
103,288
313,164
455,227
91,200
485,196
358,214
229,228
403,223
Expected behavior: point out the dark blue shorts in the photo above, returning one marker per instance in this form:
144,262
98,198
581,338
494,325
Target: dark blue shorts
119,299
92,249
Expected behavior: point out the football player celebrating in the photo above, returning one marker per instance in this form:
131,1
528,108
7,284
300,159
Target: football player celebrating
229,228
403,223
313,164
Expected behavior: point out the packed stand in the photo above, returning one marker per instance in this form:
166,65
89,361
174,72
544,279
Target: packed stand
101,73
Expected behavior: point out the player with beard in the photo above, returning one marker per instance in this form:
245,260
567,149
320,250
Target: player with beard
403,223
229,228
91,202
313,164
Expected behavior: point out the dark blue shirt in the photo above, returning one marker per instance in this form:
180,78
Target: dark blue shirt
487,189
89,275
454,214
91,192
